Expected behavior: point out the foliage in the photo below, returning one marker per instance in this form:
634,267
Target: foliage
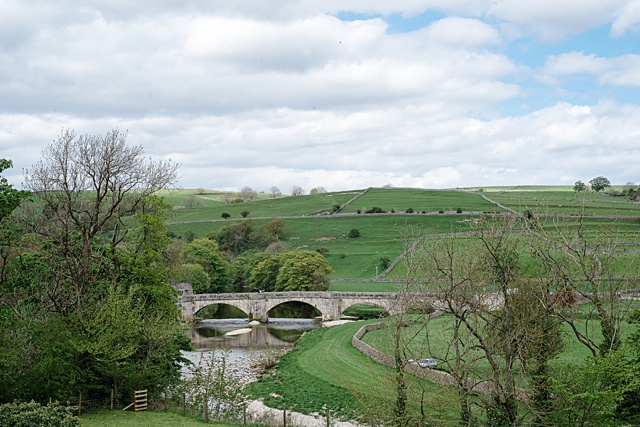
354,232
385,262
599,183
225,215
84,293
375,209
292,271
33,414
579,186
244,214
10,198
275,228
218,270
194,274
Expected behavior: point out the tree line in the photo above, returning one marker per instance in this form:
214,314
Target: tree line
86,268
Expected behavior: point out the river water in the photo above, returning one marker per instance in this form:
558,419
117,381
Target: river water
255,340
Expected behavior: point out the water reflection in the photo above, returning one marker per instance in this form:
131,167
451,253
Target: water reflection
278,333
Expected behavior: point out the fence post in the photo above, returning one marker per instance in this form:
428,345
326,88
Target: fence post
206,408
184,404
284,417
244,414
111,402
79,404
328,420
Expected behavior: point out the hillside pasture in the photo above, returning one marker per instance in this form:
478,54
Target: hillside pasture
401,199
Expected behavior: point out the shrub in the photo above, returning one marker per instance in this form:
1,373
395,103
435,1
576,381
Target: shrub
322,251
225,215
375,209
441,211
354,233
34,414
385,262
244,214
410,210
459,210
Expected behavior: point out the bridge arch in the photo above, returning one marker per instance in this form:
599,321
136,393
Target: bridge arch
275,304
221,304
381,306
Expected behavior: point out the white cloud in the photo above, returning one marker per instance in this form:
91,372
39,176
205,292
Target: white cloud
627,19
620,71
554,19
248,93
462,31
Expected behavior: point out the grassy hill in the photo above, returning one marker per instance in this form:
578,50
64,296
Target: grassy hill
325,220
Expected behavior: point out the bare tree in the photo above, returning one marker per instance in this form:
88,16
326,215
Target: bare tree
247,194
274,191
88,185
296,190
598,268
500,325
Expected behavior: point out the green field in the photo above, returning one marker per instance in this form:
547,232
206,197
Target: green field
439,337
401,199
310,225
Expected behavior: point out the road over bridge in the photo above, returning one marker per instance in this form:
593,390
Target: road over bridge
257,305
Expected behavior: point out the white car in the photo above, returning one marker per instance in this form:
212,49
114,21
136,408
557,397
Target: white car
427,363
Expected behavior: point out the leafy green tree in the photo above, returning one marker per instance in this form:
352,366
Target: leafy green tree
225,215
275,227
265,273
236,238
194,274
10,198
385,262
205,253
91,274
599,183
303,271
244,214
579,186
354,233
292,271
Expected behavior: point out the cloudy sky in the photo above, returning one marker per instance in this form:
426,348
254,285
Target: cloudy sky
342,94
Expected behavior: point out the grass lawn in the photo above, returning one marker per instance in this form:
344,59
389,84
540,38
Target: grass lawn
119,418
325,369
440,330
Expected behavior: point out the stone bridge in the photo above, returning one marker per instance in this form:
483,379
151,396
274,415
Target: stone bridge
257,305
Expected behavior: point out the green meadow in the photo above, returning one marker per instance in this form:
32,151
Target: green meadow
311,224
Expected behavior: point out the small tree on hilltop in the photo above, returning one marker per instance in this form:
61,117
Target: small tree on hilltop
599,183
579,186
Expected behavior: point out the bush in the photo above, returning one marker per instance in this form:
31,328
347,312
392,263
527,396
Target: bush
385,262
34,414
375,209
441,211
354,233
410,210
244,214
459,210
225,215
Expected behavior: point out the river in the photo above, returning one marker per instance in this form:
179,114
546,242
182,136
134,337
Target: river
253,340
